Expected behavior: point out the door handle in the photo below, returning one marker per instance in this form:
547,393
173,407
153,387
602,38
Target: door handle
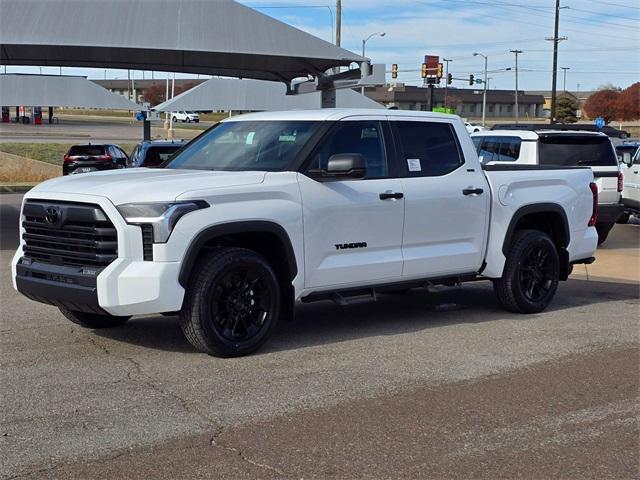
391,196
472,191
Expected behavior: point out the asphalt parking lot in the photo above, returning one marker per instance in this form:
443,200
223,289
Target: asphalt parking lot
424,385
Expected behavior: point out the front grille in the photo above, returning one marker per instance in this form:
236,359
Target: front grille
65,233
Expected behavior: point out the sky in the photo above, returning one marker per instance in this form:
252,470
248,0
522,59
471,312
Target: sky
602,45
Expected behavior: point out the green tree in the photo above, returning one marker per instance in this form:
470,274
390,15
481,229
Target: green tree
566,109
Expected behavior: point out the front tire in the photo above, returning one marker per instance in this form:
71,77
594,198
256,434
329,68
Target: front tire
531,273
175,119
93,320
232,304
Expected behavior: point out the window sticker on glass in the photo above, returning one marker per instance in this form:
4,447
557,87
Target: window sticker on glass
250,136
287,138
414,164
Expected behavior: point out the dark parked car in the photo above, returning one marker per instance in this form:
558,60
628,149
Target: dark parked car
89,158
585,127
154,153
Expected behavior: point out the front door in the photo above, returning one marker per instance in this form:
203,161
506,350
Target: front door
353,228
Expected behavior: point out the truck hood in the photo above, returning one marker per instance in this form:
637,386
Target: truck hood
145,184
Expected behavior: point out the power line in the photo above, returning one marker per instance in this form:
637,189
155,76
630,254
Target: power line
615,4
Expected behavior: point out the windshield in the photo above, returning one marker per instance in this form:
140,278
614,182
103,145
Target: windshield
245,145
569,150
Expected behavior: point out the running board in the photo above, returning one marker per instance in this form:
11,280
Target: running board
351,296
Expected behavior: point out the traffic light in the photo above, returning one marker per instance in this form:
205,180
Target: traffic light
394,70
449,78
423,72
472,79
439,71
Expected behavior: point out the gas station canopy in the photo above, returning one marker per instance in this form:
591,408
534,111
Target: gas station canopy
215,37
255,95
59,91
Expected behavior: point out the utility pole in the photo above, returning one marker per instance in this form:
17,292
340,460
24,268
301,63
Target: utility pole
446,76
564,75
517,52
484,92
556,39
338,22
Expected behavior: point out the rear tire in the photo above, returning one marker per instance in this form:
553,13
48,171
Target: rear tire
174,119
603,230
531,273
93,320
232,305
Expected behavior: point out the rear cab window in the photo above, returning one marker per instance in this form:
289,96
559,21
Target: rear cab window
576,151
155,156
86,151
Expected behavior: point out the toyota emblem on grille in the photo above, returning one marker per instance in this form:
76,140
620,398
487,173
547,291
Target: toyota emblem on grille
52,215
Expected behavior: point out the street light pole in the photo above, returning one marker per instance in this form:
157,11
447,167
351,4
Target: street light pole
446,75
564,75
484,93
364,44
517,110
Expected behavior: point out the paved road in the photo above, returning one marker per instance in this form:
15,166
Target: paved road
436,385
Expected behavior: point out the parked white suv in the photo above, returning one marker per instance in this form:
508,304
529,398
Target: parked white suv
565,149
266,209
631,190
185,117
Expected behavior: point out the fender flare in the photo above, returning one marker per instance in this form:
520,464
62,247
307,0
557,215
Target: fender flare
536,208
226,229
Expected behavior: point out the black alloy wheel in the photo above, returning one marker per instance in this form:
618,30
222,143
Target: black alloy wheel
537,271
240,303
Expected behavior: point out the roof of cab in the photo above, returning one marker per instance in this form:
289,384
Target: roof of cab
328,114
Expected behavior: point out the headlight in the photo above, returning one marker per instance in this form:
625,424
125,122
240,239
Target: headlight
161,216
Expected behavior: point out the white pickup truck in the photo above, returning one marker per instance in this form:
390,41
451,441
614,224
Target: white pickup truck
561,148
267,209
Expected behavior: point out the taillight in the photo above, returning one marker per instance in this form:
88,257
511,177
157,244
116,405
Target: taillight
106,158
67,159
594,211
620,180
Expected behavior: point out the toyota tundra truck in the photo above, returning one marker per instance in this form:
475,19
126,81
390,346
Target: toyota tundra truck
267,209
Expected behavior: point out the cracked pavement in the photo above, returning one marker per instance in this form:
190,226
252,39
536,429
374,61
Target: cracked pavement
433,385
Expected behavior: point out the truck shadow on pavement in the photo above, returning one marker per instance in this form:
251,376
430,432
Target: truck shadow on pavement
325,323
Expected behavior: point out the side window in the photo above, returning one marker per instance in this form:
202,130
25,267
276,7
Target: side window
509,149
363,137
428,149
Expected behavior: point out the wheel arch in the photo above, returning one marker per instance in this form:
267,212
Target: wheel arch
267,238
549,218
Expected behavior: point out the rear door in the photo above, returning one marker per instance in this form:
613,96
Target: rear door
353,228
446,200
584,150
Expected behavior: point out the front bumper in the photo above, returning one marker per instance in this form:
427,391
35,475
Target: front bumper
127,286
609,213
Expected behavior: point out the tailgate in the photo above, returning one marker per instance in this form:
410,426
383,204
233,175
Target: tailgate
607,180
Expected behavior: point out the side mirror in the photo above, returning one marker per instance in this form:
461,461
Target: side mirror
342,165
626,159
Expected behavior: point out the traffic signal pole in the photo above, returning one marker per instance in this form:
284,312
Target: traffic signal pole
446,84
